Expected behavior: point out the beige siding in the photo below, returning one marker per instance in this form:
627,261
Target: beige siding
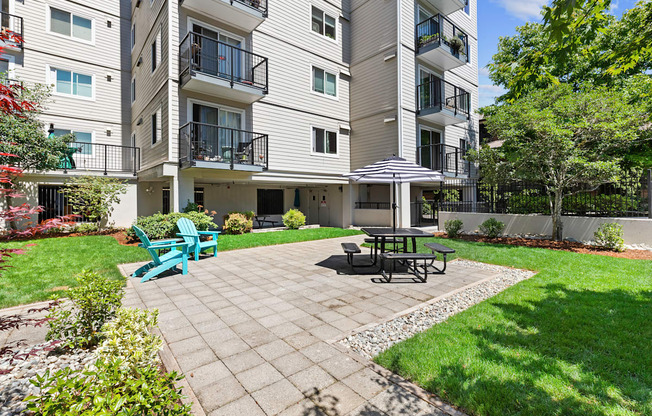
373,139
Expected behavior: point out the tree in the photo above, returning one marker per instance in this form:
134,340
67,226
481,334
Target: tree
94,197
579,42
566,141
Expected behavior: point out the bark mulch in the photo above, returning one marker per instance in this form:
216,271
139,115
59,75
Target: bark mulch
556,245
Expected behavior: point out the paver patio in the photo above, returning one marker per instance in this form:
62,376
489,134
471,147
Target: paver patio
253,330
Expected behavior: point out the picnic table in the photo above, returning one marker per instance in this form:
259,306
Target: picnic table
400,236
262,220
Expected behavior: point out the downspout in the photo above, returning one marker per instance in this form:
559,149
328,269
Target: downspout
399,62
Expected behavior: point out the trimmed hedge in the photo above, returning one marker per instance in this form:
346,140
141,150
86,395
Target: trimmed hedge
160,226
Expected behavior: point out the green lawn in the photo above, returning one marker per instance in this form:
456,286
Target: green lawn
53,262
576,339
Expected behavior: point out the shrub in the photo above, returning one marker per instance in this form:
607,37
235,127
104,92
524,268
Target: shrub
191,207
610,235
127,340
105,389
94,196
238,224
492,228
160,226
426,207
78,320
453,227
86,228
293,219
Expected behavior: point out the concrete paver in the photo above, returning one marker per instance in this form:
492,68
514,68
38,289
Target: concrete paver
253,330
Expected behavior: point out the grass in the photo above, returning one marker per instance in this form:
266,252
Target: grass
51,264
575,339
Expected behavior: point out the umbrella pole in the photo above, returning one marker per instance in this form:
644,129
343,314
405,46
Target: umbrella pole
394,204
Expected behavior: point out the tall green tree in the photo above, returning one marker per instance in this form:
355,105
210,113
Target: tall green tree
564,140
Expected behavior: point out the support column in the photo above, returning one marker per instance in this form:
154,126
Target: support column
186,190
348,200
403,217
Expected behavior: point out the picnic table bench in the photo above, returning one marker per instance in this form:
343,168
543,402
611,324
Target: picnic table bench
441,249
411,260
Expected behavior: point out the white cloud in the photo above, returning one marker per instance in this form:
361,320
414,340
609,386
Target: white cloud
523,9
488,93
483,71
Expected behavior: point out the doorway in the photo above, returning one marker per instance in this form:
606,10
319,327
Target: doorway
318,207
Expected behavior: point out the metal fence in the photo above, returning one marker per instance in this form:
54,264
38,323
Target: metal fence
627,198
101,157
12,23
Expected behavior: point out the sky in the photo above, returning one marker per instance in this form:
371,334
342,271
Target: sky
498,18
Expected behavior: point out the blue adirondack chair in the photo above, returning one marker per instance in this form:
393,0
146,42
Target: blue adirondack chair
164,262
190,235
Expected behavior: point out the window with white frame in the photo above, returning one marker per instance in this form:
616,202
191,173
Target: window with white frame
324,141
68,24
156,126
133,90
133,36
71,83
324,82
156,51
467,7
84,140
323,23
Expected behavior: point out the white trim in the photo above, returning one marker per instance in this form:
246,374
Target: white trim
192,21
50,81
48,19
159,122
158,39
191,101
335,97
132,90
11,64
324,14
132,36
335,155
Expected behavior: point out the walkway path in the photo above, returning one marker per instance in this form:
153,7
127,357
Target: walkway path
253,331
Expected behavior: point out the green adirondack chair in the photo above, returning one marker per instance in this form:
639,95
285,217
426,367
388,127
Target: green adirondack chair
164,262
190,235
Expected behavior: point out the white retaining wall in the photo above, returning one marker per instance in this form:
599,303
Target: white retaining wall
636,230
372,217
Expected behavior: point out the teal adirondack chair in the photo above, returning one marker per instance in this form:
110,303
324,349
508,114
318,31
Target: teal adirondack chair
167,261
190,235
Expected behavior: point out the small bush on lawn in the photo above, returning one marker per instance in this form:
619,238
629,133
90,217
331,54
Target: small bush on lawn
238,224
492,228
86,228
453,227
610,235
293,219
78,320
160,226
127,340
105,389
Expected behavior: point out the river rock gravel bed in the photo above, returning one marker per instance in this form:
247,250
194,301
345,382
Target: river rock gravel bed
373,341
15,385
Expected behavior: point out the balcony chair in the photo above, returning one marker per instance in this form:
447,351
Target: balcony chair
191,236
161,263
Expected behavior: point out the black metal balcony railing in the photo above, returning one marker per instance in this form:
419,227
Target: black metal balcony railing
444,158
441,95
14,24
260,5
101,157
373,205
201,54
211,143
438,30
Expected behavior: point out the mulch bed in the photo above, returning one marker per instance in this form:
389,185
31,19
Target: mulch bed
556,245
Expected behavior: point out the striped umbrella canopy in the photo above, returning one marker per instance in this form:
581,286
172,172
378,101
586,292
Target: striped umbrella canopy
394,170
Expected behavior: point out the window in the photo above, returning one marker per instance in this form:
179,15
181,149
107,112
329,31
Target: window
133,36
324,82
467,7
323,23
166,201
199,196
71,83
133,140
156,126
133,90
68,24
324,141
270,202
156,51
83,139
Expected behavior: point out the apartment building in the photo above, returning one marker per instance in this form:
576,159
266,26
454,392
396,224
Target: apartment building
255,105
77,48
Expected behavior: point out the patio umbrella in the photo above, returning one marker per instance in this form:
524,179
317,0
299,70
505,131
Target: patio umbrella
394,170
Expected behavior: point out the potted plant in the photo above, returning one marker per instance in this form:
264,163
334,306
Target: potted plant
457,45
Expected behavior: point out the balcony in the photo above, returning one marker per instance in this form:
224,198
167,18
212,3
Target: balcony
243,14
442,44
212,67
444,158
12,26
214,147
442,103
105,158
447,7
